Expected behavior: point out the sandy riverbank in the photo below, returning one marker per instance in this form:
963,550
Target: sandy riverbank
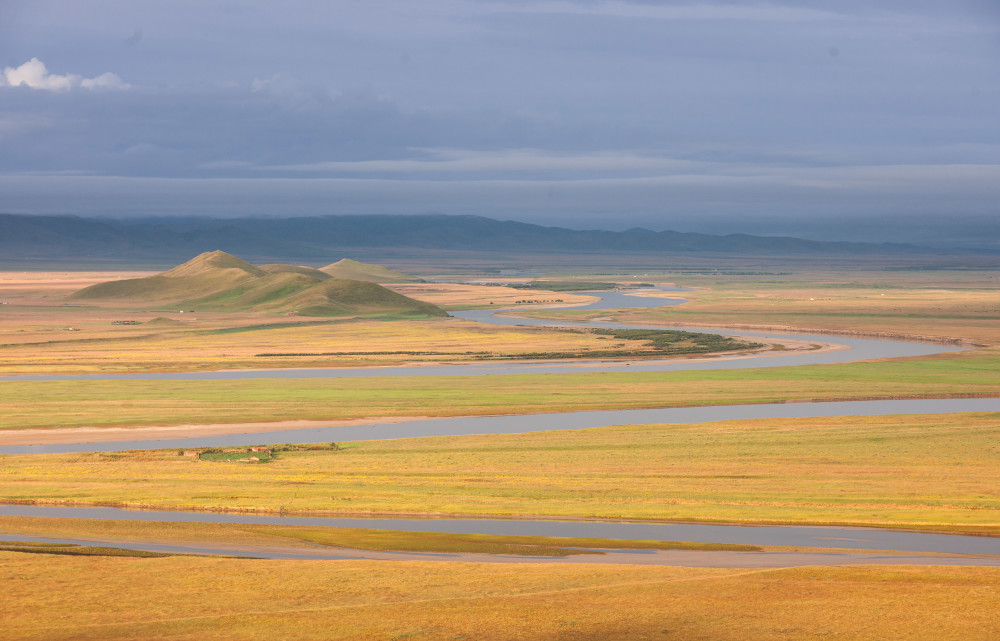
52,436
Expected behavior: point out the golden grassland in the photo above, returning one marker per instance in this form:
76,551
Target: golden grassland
42,404
930,472
219,598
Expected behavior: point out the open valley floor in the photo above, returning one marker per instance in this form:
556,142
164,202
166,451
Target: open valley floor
404,428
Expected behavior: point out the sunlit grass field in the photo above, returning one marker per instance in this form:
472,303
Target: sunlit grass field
198,598
934,472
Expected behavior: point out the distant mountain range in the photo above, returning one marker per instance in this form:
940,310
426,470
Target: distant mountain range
319,238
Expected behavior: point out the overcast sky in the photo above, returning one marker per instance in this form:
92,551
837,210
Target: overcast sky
842,120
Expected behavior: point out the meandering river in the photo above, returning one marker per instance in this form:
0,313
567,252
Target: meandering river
860,349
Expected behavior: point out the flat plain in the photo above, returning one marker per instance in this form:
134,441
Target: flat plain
934,472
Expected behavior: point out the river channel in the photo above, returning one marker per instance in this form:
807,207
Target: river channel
798,536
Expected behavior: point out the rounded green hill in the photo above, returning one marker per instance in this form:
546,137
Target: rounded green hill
217,281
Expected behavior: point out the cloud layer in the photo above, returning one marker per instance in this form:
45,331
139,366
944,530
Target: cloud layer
758,117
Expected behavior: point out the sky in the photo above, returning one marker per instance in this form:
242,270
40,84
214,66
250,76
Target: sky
845,120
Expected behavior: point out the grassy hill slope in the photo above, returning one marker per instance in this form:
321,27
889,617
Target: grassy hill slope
217,281
338,296
355,270
296,269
